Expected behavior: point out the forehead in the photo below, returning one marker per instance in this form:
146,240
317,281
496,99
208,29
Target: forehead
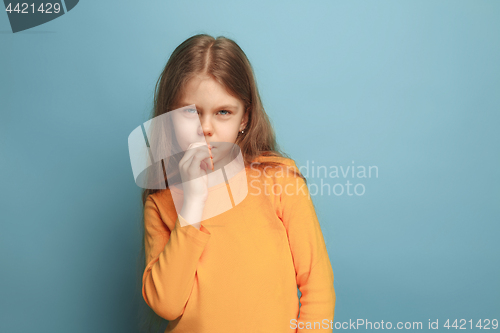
206,90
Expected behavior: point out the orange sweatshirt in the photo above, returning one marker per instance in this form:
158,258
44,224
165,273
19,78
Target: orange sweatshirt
240,271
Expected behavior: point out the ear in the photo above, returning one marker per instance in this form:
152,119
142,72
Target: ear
244,121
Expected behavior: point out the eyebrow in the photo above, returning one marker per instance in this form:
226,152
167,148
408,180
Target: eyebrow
227,106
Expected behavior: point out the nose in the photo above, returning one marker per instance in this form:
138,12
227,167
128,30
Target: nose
206,126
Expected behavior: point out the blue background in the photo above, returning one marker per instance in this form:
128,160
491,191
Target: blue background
411,87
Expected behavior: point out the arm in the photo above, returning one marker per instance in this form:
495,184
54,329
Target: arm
172,257
312,265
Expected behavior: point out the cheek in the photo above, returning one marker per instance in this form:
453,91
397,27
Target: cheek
231,133
181,139
185,133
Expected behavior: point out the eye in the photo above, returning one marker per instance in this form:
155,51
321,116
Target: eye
190,113
225,114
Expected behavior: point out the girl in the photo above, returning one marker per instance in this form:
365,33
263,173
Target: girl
237,271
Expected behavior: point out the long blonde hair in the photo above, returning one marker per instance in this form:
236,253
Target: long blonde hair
222,59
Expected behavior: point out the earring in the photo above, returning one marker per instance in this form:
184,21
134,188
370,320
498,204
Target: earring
242,132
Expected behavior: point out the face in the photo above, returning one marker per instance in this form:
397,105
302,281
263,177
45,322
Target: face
221,116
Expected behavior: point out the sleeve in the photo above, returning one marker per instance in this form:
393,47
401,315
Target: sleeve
172,257
313,269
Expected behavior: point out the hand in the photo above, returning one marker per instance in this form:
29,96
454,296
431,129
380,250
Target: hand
193,169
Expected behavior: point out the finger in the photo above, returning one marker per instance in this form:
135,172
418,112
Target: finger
191,150
197,144
188,155
196,161
210,163
204,165
190,162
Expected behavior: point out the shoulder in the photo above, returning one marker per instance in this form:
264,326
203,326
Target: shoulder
162,199
276,167
279,160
